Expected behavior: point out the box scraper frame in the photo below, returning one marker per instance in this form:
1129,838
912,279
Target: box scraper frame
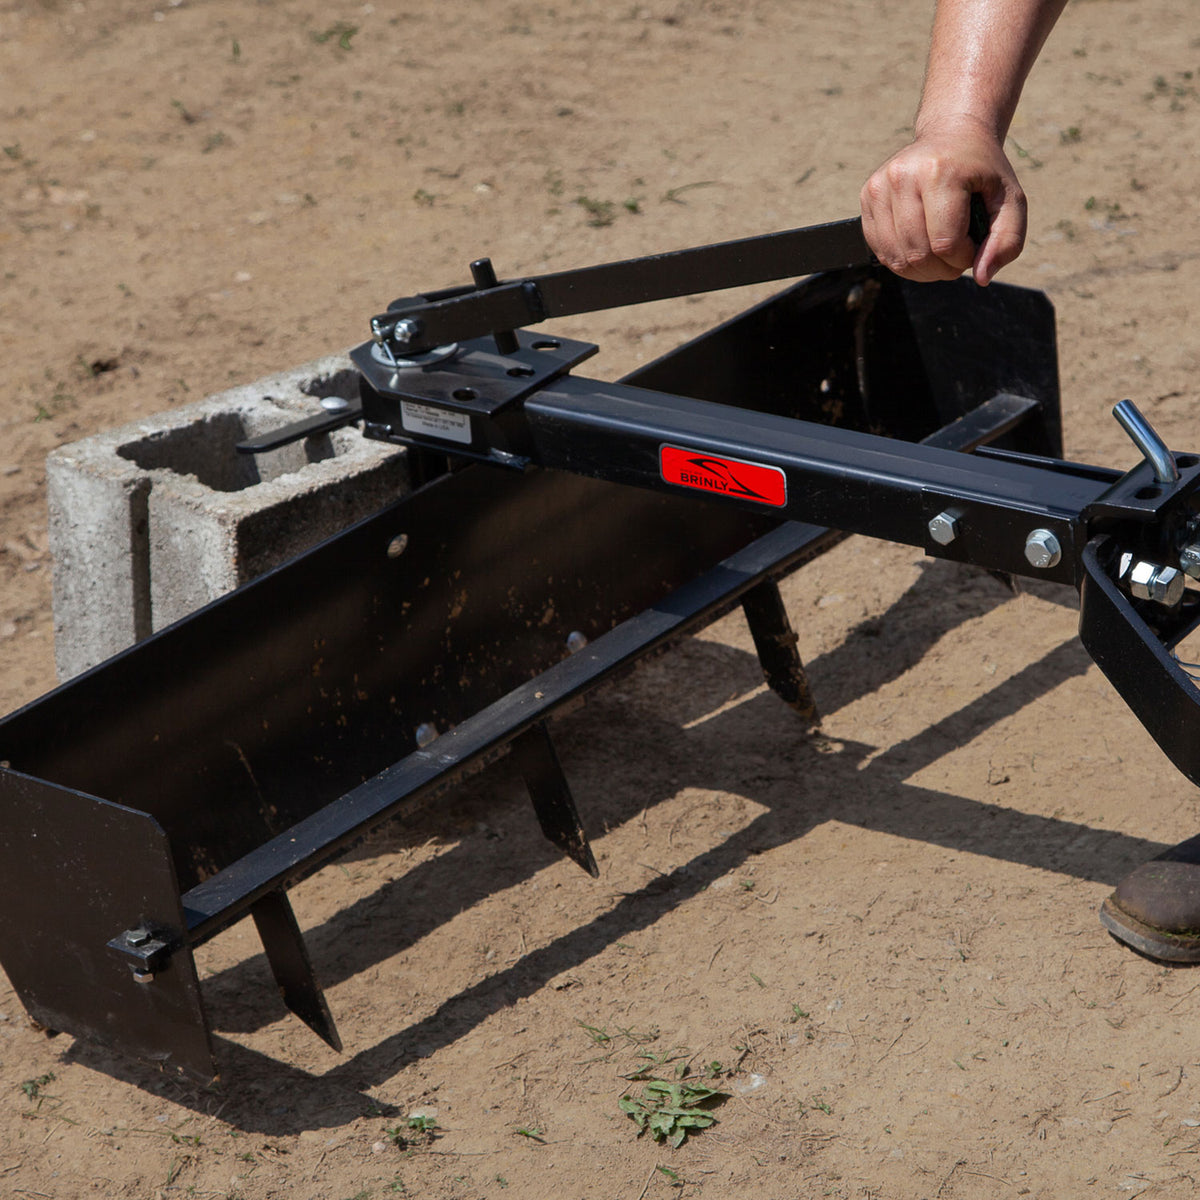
559,528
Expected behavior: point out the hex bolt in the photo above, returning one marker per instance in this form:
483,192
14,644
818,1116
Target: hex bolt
1149,581
1042,550
944,528
1189,559
576,641
137,937
1167,586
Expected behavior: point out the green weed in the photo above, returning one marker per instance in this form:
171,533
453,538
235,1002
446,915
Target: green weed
600,212
340,30
670,1111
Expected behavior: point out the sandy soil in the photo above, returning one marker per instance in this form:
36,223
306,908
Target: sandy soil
886,934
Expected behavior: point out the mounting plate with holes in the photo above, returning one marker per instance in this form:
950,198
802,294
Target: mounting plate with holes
455,405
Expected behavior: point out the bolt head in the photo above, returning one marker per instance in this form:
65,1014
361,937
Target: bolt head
944,528
1189,560
1167,586
1043,550
137,937
426,733
576,641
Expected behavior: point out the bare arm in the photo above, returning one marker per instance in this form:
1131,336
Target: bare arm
916,206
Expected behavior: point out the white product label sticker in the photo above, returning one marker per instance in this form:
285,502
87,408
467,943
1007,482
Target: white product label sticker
435,422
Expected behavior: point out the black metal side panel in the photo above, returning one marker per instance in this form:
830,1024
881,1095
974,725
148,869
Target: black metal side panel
1160,693
74,872
866,350
255,712
984,342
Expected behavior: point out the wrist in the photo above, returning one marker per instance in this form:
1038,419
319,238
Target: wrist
957,123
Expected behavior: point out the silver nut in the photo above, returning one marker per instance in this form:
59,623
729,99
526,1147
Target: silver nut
1167,586
143,976
944,528
1189,560
1141,578
1042,550
405,330
1149,581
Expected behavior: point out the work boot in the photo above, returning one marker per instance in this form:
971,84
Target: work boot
1156,908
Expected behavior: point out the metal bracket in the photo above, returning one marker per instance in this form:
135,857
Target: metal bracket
147,951
457,403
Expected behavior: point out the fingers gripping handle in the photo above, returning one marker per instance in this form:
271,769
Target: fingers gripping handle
980,220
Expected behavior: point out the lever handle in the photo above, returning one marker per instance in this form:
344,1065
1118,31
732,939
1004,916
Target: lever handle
980,220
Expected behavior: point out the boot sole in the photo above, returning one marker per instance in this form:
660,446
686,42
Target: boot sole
1145,939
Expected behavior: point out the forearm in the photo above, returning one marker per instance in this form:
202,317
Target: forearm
980,54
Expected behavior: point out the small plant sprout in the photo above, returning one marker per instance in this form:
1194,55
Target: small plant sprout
600,212
600,1036
418,1124
651,1062
532,1132
340,30
35,1092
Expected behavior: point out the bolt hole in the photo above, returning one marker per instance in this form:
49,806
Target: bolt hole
1148,493
546,345
464,393
1183,461
521,372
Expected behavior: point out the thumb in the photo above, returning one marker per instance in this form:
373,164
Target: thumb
1006,235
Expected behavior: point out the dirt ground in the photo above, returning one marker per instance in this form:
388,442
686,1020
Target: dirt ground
885,934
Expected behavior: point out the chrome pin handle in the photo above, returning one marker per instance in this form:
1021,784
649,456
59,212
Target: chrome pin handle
1154,449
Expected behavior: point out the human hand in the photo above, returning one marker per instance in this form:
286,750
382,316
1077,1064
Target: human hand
916,207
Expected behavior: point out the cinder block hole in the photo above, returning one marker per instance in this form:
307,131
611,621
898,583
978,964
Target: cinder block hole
206,450
343,384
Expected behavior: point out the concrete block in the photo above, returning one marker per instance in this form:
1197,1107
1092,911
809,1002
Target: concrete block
150,521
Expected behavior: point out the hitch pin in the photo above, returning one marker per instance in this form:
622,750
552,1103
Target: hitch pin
1154,449
380,333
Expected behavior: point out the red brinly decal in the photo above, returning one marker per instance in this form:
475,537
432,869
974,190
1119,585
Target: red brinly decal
724,476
